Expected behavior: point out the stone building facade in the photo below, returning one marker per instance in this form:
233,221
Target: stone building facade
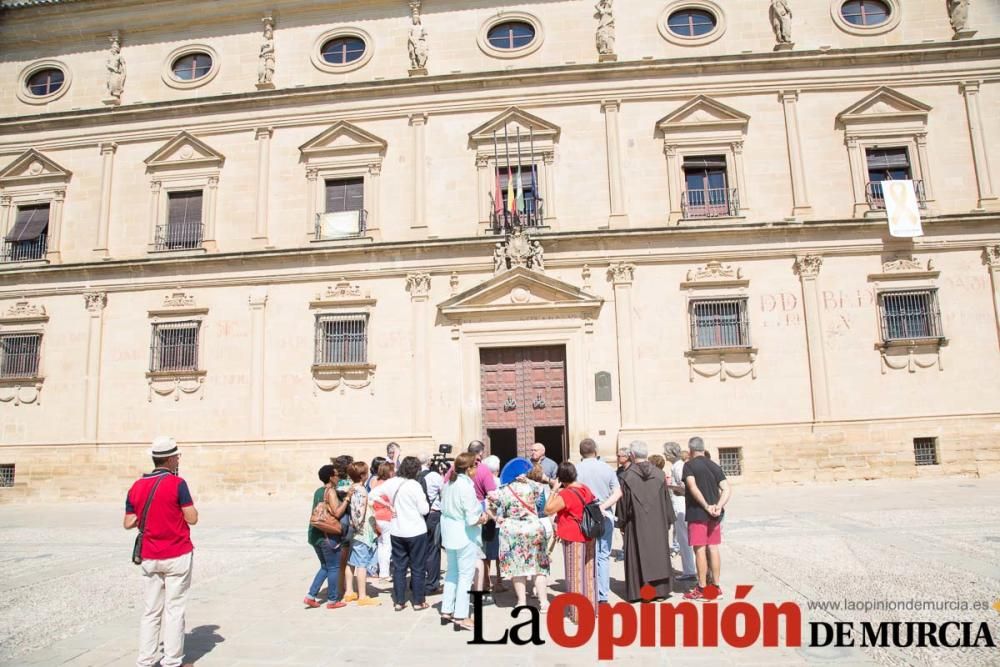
285,233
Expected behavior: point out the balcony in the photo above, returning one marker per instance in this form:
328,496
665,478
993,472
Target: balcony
710,203
502,221
23,251
341,225
183,236
876,201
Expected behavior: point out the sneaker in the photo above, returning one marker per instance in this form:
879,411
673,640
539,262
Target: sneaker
712,592
369,602
336,604
695,594
350,597
310,602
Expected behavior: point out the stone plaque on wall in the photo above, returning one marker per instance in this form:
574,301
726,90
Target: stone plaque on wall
602,385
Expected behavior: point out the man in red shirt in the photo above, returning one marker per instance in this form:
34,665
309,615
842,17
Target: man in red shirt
166,552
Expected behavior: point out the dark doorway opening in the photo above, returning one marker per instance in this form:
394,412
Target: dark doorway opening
554,440
502,443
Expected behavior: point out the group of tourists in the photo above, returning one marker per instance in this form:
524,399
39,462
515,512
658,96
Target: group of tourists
392,517
478,514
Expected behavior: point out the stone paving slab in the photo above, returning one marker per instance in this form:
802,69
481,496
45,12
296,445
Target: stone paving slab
69,596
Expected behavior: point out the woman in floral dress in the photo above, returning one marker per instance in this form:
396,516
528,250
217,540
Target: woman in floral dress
523,552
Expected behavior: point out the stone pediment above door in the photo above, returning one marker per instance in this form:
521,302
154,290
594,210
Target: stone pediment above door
520,292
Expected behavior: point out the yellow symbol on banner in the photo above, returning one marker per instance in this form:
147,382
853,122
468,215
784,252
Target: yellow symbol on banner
900,194
996,605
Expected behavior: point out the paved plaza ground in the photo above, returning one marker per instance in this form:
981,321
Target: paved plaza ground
69,595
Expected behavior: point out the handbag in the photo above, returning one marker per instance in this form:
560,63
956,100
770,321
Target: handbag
592,519
323,520
137,547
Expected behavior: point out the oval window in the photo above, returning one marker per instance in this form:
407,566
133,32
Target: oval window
865,12
343,50
691,22
46,81
510,35
192,66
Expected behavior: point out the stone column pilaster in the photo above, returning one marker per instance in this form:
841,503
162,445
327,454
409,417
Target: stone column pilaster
104,211
52,253
263,136
796,164
419,287
616,186
992,257
549,174
258,301
622,276
372,199
208,213
418,121
977,134
312,176
807,267
95,302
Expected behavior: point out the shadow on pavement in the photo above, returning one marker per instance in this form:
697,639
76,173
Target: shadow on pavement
200,642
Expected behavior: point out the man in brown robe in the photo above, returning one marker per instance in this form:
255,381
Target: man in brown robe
645,515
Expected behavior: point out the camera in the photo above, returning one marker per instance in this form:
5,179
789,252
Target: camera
440,461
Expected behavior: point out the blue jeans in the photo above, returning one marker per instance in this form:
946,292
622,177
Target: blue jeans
603,557
458,580
328,552
409,553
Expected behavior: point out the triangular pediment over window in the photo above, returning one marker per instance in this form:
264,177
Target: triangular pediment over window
519,292
185,151
343,139
703,113
31,166
884,104
515,120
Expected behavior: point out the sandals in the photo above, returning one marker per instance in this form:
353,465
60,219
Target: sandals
459,627
421,606
446,619
398,607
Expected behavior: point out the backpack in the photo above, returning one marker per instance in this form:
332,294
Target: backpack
322,518
592,520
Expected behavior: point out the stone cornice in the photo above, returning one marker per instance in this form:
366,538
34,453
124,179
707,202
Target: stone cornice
787,63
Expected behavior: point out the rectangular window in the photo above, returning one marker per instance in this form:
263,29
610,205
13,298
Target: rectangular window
925,451
717,323
174,346
27,238
706,187
888,164
6,474
341,339
19,355
183,229
344,210
909,315
731,461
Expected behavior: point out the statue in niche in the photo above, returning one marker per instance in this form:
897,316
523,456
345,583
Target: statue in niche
605,28
781,21
418,39
958,14
265,63
536,256
499,259
116,69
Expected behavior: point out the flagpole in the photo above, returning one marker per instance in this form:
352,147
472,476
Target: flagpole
506,146
534,181
520,187
496,175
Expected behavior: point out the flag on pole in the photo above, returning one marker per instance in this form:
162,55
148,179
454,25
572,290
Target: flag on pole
510,190
497,194
519,197
902,208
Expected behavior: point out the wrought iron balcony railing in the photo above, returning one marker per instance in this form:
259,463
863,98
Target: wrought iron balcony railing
179,236
23,251
502,220
341,224
876,200
710,203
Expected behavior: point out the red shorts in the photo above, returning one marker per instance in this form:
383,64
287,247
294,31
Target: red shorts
701,533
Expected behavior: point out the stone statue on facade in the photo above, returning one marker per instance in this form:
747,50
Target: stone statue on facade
116,70
605,28
499,259
781,21
517,249
536,256
265,60
958,14
418,39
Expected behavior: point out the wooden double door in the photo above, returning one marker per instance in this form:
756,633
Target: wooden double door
523,394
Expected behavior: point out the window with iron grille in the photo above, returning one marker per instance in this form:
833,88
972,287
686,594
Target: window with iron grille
341,339
26,240
6,474
731,461
717,323
907,315
184,228
174,346
925,451
19,355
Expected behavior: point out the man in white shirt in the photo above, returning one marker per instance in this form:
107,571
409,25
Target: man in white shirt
672,452
602,481
407,532
432,481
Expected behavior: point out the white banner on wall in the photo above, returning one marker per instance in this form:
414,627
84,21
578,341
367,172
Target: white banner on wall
902,208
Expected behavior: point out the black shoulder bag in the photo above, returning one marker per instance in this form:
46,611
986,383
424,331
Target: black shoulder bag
592,519
137,548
